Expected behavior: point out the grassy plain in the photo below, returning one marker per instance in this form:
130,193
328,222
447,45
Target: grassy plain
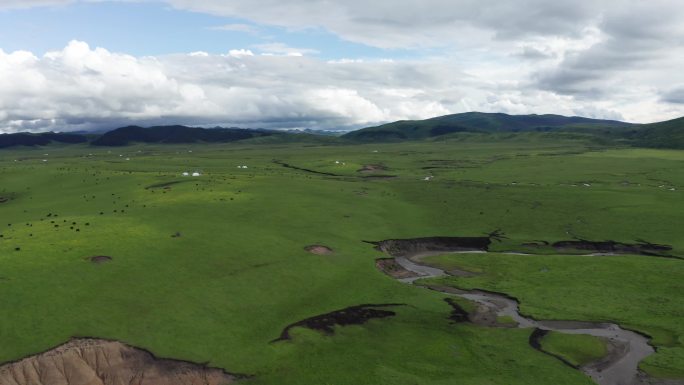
577,349
238,273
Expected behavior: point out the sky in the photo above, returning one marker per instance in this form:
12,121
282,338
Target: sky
70,65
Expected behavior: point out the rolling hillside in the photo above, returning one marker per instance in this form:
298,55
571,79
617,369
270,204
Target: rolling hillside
480,123
177,134
485,126
26,139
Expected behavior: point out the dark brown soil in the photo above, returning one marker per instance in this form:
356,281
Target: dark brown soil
390,267
416,246
164,185
369,168
286,165
98,259
643,248
319,249
458,314
86,361
353,315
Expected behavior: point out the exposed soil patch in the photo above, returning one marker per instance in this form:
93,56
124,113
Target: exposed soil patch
458,314
434,245
286,165
643,247
164,185
483,314
370,168
319,249
4,199
353,315
390,267
98,259
379,176
86,361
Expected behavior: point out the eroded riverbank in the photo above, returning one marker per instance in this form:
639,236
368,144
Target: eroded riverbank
626,348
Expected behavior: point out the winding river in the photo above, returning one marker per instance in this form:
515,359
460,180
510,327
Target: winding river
626,348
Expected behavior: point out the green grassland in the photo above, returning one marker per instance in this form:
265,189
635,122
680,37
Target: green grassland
638,292
238,274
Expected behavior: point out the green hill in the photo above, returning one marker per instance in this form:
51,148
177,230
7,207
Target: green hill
177,134
27,139
668,134
467,126
497,126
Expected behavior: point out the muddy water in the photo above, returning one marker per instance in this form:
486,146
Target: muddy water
626,350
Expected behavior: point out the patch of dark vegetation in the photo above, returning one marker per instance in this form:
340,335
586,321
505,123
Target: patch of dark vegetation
535,342
4,199
319,249
176,235
613,247
163,184
458,314
104,362
390,267
286,165
353,315
415,246
98,259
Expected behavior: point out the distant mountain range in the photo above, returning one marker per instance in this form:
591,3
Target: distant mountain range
477,122
134,134
176,134
669,134
26,139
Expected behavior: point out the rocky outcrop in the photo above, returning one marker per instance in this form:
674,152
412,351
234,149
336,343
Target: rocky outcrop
100,362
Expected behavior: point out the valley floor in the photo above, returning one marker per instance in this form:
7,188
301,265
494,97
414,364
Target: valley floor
259,268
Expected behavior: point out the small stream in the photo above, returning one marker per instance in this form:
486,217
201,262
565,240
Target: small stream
625,351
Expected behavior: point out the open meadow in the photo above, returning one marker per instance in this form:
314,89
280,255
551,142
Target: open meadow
116,244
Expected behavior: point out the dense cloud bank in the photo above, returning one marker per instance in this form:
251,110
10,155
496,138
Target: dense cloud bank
606,59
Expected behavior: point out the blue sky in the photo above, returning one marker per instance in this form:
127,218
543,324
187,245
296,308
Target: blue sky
333,64
155,28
